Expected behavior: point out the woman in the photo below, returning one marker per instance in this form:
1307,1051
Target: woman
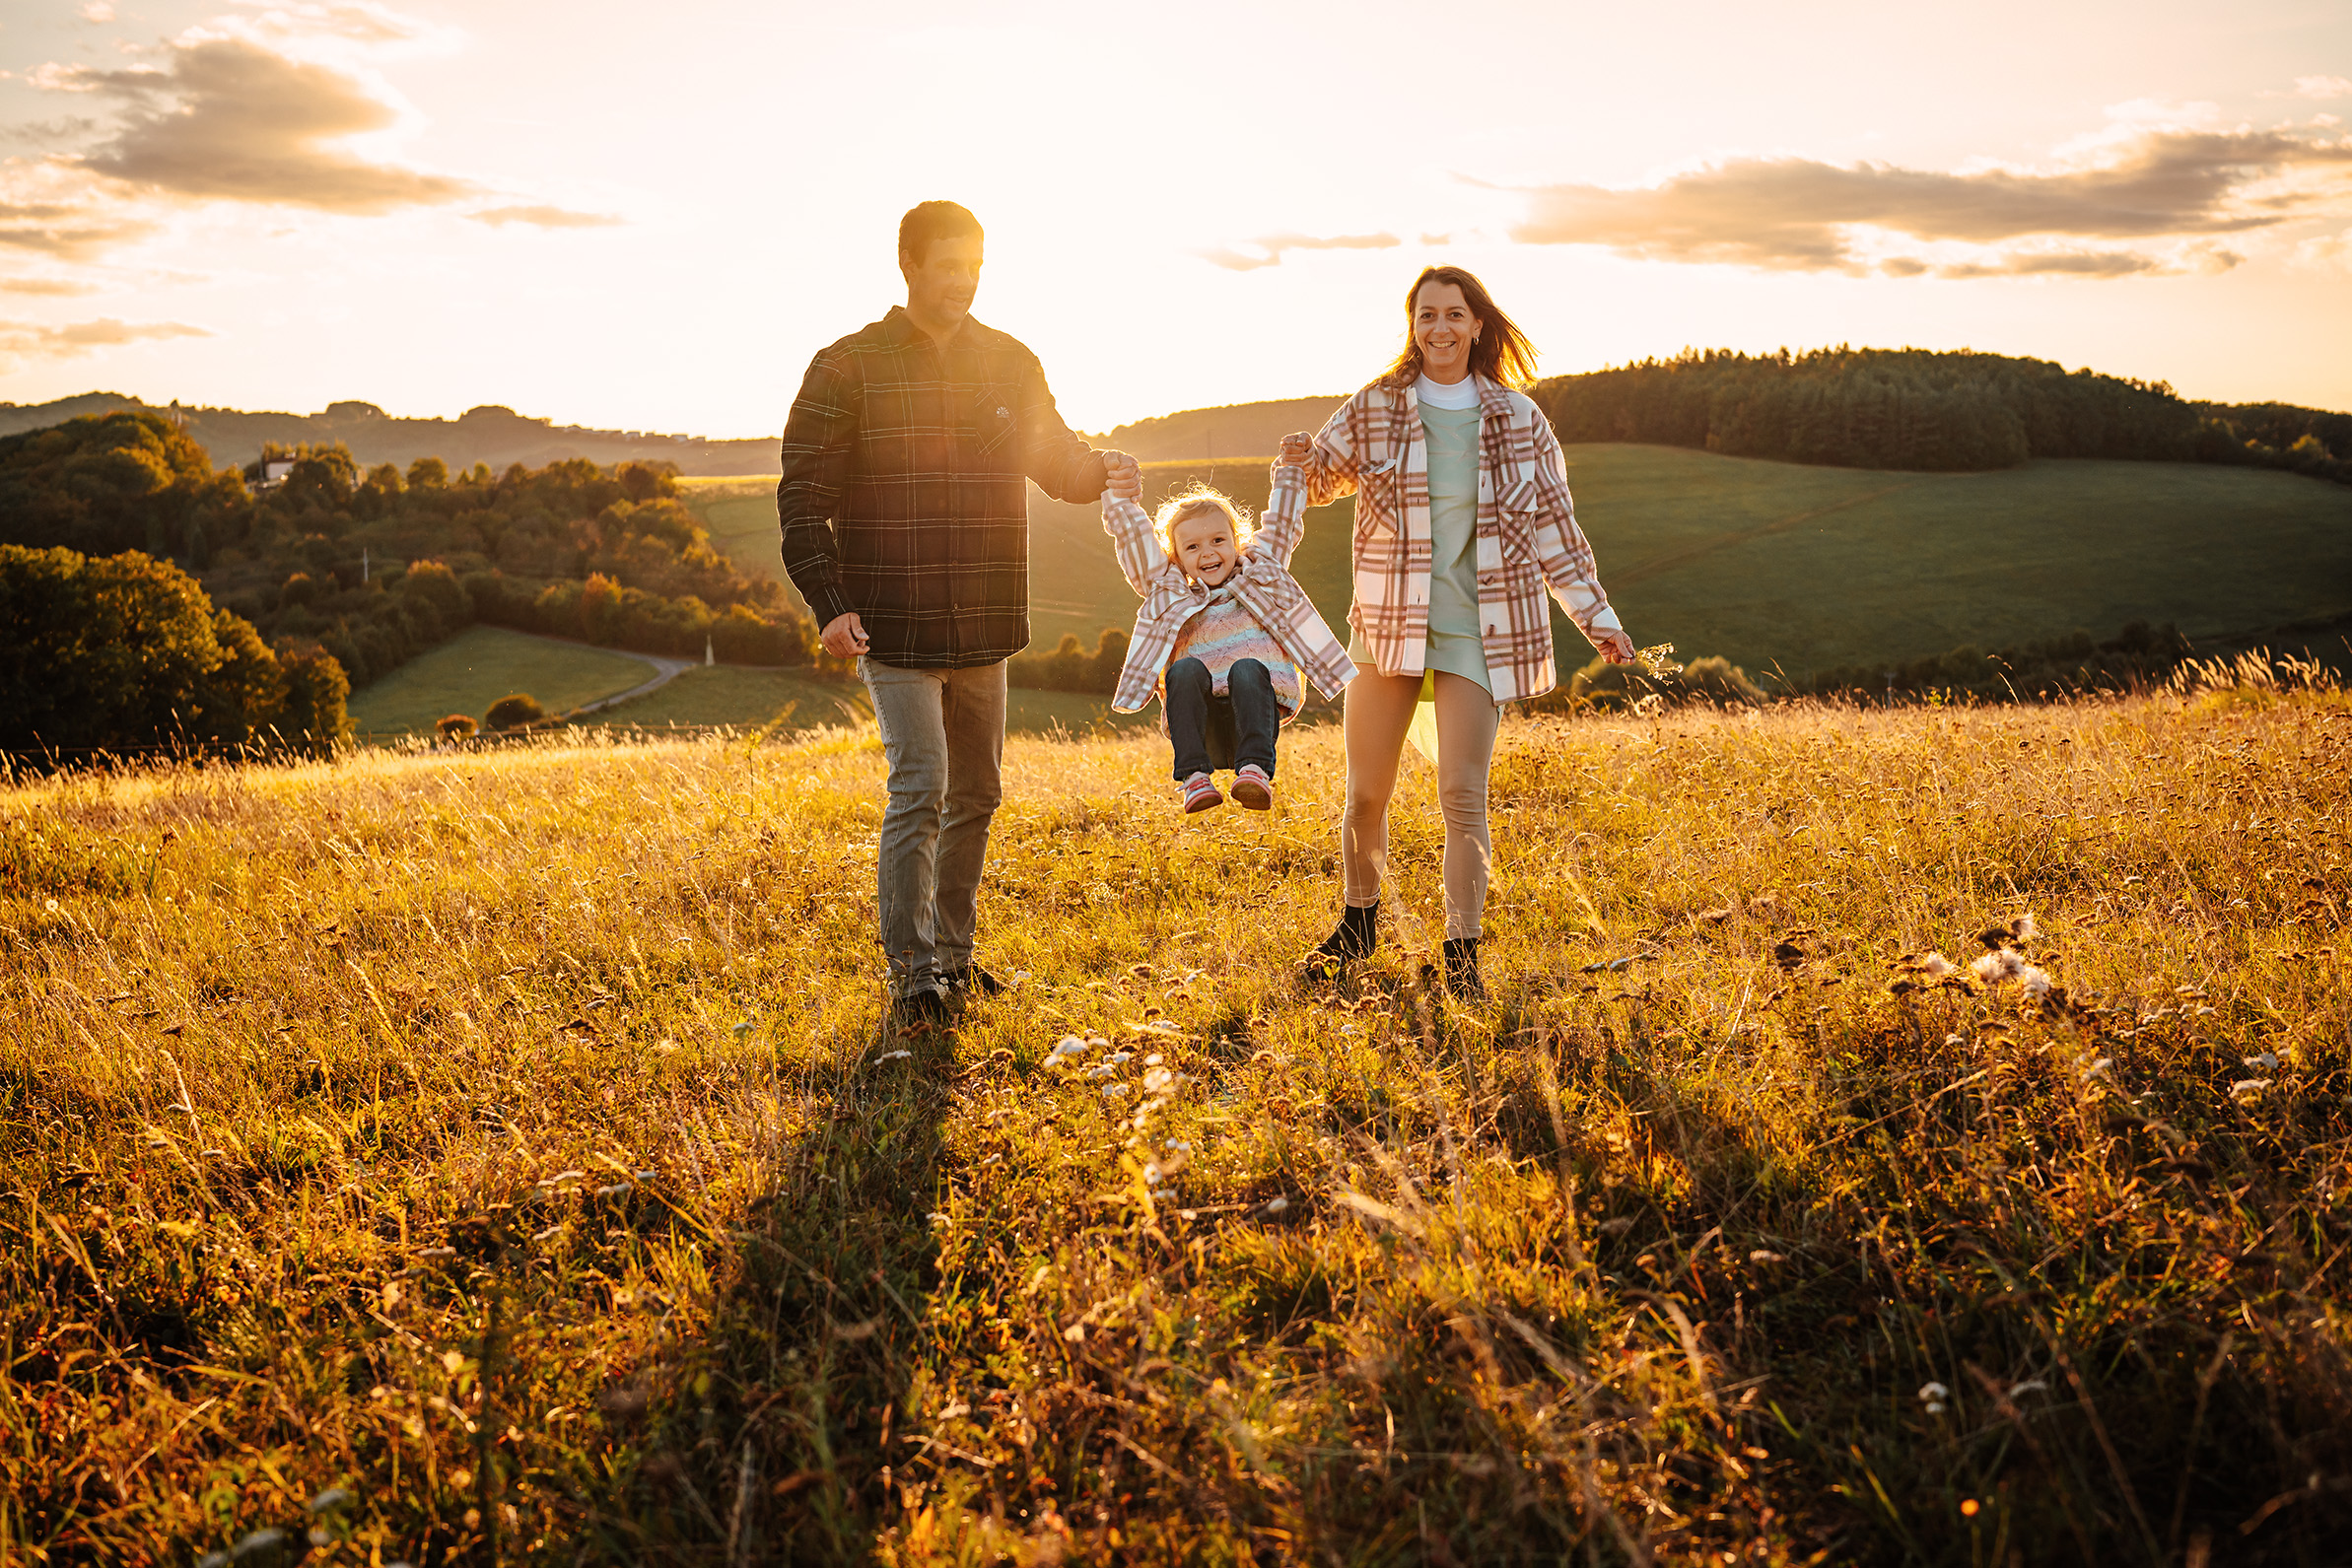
1462,520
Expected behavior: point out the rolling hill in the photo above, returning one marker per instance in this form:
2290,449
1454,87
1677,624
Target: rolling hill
1803,569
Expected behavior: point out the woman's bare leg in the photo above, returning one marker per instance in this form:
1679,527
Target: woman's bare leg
1466,718
1378,712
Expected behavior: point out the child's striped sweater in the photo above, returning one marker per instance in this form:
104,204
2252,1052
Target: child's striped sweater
1225,633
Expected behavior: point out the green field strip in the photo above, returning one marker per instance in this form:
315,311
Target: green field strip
478,666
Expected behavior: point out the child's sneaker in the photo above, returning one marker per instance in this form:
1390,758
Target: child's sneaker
1251,789
1199,793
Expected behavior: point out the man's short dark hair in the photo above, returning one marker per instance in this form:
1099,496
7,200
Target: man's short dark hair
934,220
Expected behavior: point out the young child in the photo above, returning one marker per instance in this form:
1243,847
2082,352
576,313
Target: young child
1225,633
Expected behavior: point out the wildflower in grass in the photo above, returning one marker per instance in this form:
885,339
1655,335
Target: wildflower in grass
1275,1205
2018,1391
1114,1091
1936,966
1120,1058
1104,1071
1067,1049
2023,928
891,1056
2268,1061
1158,1080
1153,1060
2099,1069
2246,1089
1934,1395
2000,963
1760,1255
2035,982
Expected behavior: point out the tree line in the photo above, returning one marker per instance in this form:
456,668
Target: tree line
1915,410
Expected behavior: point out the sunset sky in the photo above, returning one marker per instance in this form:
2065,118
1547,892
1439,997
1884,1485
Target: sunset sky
650,217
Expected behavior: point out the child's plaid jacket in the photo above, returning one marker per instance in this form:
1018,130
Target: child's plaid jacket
1527,534
1263,583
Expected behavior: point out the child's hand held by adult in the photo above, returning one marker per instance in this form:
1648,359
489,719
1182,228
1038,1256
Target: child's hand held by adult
1123,476
1298,447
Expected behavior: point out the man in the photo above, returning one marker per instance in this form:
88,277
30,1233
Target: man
905,527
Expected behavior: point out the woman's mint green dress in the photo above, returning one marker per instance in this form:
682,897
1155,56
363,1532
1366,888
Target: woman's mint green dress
1455,644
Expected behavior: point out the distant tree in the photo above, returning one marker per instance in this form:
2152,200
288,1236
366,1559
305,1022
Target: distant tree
126,652
427,473
316,718
456,728
104,483
513,711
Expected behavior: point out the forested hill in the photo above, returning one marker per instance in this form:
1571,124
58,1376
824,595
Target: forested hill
491,434
1912,409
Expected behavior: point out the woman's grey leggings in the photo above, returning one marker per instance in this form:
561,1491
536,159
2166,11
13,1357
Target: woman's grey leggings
1379,711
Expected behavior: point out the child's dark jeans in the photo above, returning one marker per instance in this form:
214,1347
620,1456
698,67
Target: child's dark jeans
1212,731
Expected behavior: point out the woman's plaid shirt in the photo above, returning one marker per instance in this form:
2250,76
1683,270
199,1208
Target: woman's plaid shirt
1527,534
1263,584
905,492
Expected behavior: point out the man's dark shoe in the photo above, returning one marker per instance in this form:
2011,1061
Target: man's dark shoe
919,1012
1462,968
974,980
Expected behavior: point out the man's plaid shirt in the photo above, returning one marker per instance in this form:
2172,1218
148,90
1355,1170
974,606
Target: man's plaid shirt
904,495
1527,535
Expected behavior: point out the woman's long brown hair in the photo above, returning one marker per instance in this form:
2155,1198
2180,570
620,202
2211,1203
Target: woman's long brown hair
1503,354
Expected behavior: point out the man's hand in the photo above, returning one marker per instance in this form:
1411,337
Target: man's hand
844,636
1298,447
1122,476
1615,647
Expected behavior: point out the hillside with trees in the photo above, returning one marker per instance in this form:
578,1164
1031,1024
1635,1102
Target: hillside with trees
1909,409
377,565
490,434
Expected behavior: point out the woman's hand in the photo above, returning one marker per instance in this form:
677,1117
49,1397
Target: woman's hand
1298,447
1615,647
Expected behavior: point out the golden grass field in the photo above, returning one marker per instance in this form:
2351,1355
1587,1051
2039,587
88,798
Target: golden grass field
499,1157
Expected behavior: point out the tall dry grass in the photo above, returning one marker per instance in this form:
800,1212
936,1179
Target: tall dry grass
501,1158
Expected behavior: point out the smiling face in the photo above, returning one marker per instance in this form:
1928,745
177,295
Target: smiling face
941,286
1443,329
1203,546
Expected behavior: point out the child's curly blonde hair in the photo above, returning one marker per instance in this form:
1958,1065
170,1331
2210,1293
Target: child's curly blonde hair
1191,502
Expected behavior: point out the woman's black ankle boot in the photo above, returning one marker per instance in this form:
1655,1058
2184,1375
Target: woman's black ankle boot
1356,934
1462,968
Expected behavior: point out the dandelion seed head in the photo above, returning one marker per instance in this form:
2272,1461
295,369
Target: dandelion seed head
1937,966
2248,1088
2023,928
1153,1060
2268,1061
2037,983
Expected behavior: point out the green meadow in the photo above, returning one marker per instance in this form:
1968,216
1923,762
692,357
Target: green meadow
478,666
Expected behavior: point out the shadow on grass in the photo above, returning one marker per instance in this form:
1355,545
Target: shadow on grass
766,1436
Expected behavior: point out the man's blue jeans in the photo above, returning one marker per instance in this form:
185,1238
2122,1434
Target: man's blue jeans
1212,731
943,737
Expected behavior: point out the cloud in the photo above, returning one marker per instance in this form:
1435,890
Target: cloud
2165,187
66,231
2322,86
548,218
233,119
1273,246
49,286
97,11
23,340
